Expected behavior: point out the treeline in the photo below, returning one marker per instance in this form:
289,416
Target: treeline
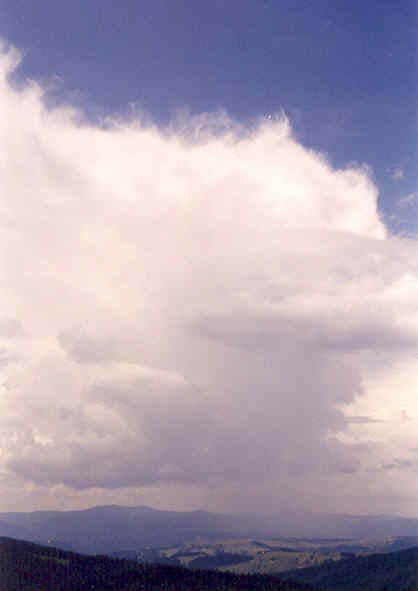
28,567
393,571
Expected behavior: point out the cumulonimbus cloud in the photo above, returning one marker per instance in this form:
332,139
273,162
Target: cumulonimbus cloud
191,305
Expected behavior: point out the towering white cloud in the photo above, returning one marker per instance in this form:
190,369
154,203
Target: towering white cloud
196,309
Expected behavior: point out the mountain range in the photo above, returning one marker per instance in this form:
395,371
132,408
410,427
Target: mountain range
113,528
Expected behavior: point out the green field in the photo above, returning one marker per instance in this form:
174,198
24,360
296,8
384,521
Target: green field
272,556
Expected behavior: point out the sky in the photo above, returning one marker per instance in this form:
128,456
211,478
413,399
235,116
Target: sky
209,262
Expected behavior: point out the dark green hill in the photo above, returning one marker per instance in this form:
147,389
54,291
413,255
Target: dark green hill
395,571
29,567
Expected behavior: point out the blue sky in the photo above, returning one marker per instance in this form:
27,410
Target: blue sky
344,73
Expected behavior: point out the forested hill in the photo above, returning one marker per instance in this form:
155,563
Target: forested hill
394,571
29,567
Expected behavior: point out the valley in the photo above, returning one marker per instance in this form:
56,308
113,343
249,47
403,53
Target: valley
266,556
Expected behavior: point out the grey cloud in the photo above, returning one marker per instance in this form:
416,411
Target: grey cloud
86,349
402,464
156,427
275,331
7,356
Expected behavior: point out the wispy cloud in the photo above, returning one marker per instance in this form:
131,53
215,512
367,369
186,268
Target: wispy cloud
397,173
359,420
402,464
408,200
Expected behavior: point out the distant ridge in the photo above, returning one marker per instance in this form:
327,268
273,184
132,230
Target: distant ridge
111,528
105,529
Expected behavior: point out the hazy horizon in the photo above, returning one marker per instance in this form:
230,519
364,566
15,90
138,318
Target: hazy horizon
256,513
209,257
